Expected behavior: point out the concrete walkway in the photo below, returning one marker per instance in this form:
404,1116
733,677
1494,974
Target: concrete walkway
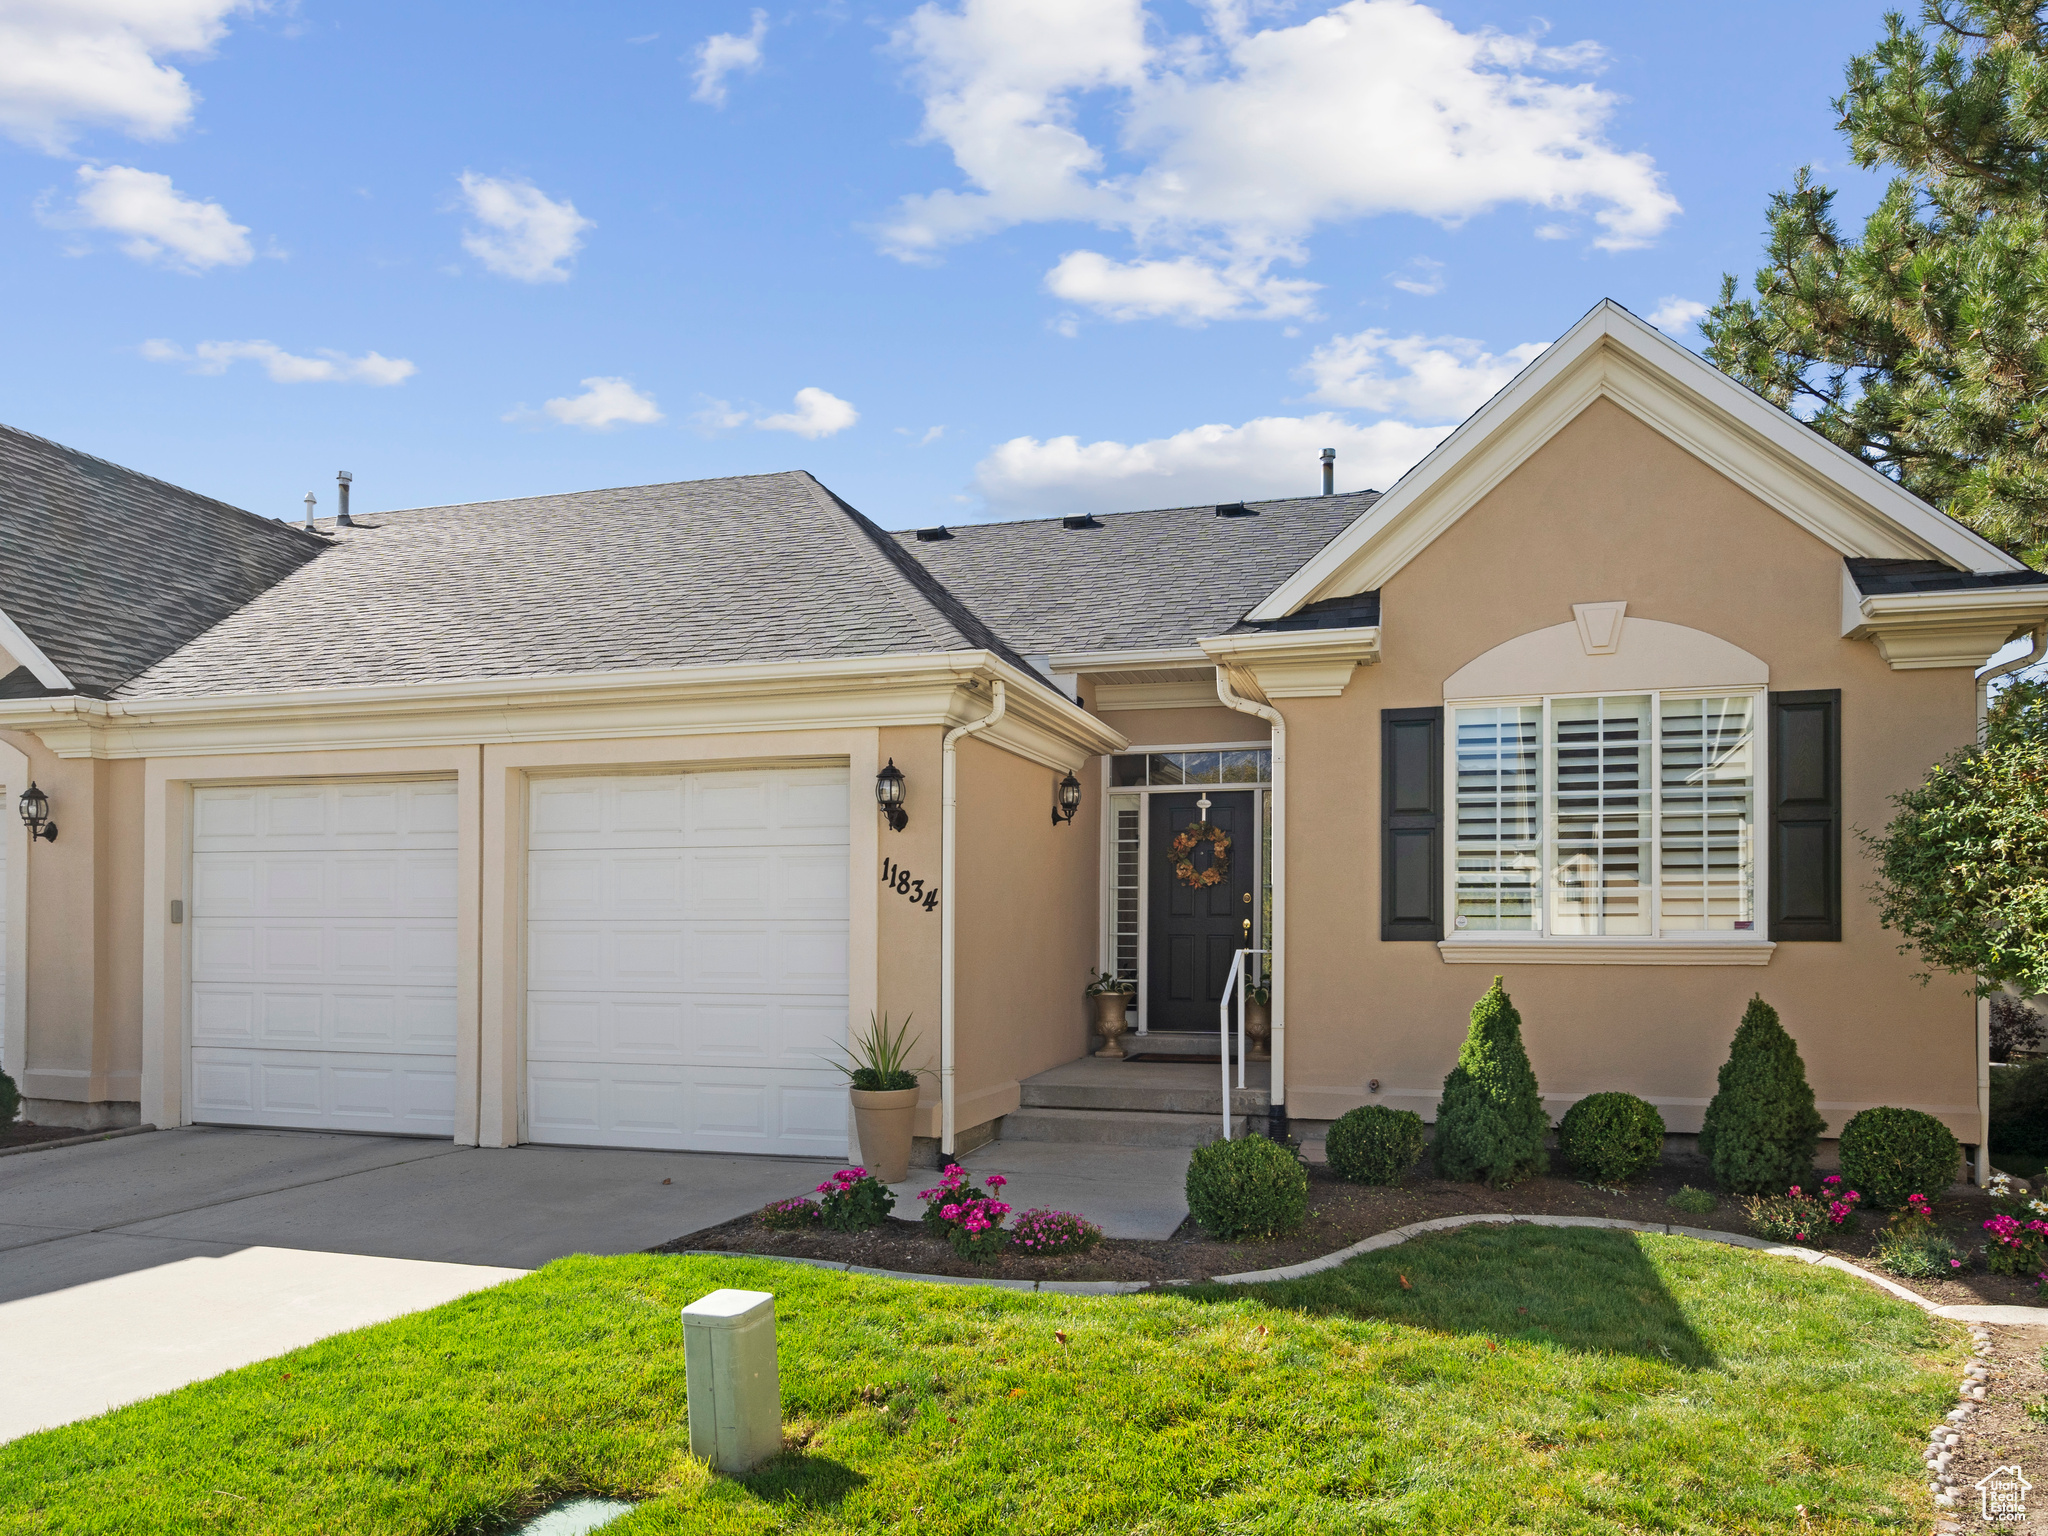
132,1266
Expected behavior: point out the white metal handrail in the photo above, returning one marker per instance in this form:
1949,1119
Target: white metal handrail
1235,983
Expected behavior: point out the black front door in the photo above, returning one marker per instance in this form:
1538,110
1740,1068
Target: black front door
1196,929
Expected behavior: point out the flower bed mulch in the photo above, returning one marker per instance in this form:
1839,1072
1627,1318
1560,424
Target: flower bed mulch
23,1133
1341,1214
1999,1432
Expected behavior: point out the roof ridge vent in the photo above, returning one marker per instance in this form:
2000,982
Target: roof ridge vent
933,535
1080,520
1236,509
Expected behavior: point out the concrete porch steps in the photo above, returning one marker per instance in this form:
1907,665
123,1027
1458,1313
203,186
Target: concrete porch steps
1110,1102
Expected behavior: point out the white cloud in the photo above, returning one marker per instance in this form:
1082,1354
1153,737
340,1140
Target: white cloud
726,53
156,222
1240,143
524,233
1271,457
817,414
329,367
1422,275
65,64
1676,315
718,416
605,403
1441,378
1184,289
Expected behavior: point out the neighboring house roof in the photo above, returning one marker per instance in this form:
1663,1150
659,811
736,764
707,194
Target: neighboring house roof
1612,354
749,569
1131,580
130,568
1888,578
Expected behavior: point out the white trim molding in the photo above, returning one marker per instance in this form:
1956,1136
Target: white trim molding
1298,663
1645,655
14,778
1918,630
1569,951
1610,354
1127,660
945,688
30,655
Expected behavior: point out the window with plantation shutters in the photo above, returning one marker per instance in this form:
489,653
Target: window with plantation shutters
1411,828
1806,816
1628,816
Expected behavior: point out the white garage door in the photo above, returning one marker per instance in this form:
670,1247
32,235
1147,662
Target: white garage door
686,961
324,956
7,808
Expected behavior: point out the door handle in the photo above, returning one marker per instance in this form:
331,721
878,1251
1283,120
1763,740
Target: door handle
1247,927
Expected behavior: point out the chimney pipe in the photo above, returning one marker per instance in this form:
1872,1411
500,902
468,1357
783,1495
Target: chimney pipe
1329,471
343,479
309,510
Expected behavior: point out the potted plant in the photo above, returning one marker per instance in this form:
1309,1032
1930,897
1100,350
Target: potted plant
1258,1021
1110,996
884,1093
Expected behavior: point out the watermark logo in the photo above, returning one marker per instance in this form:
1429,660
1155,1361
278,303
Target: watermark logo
2003,1495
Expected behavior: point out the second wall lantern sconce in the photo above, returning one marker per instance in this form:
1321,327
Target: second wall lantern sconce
1069,800
889,796
35,815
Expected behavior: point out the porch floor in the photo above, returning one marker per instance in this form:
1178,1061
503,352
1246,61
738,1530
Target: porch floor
1112,1102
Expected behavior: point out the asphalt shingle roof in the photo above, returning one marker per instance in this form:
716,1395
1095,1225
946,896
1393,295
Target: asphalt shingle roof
753,568
109,571
1139,580
1893,577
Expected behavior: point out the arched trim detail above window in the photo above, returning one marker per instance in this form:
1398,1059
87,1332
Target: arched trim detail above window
1651,655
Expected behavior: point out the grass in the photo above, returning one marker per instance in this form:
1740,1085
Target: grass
1510,1378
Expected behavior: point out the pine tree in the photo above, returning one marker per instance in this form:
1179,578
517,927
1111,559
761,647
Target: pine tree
1761,1130
1922,347
1490,1124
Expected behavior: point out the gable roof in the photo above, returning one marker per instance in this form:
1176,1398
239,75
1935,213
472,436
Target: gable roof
1612,354
133,567
1155,580
752,568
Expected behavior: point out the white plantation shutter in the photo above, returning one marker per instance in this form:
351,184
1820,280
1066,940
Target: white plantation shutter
1498,837
1706,849
1600,815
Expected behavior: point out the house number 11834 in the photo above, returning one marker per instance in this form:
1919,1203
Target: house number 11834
899,880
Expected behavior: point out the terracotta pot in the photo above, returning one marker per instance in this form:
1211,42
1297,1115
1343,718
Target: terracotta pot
1111,1020
1258,1029
882,1123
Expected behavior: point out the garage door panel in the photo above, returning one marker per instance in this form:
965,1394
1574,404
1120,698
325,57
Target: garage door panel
620,1104
324,956
738,1030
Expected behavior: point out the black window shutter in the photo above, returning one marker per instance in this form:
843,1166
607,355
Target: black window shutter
1806,816
1411,824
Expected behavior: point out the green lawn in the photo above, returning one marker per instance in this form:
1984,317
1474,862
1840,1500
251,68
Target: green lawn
1525,1379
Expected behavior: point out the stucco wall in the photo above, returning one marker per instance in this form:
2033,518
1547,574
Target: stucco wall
1185,727
907,936
1026,894
1611,510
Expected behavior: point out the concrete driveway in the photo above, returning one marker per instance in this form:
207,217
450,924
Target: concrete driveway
133,1266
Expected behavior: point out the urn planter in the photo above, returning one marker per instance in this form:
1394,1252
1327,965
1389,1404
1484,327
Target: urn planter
1111,1021
1258,1030
882,1120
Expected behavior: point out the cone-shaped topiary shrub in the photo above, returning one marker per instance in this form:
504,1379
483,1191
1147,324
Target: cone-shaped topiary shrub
1611,1137
1890,1154
1761,1129
10,1101
1490,1124
1373,1144
1250,1187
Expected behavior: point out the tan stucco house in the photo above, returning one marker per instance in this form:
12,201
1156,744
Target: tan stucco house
554,819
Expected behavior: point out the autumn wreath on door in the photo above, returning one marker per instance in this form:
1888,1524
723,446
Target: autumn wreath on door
1189,844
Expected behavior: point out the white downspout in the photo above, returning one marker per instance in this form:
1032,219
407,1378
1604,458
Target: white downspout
1278,959
948,808
1984,681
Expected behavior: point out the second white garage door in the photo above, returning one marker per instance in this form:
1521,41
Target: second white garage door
687,961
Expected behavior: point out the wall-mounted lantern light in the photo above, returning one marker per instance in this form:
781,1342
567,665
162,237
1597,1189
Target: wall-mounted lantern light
889,796
35,814
1069,800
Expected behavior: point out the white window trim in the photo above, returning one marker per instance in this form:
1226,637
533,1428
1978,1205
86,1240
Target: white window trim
1107,905
1656,947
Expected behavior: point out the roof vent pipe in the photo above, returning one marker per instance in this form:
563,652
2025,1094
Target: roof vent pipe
309,511
343,479
1329,471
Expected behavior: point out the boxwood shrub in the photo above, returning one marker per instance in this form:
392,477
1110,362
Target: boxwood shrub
1889,1154
1611,1137
1250,1187
1374,1144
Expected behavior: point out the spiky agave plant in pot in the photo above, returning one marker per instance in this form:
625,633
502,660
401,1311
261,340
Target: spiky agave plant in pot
884,1092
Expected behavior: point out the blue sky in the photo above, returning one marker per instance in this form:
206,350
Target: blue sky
961,260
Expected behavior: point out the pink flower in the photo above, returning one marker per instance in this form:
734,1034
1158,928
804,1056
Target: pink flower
1833,1178
996,1181
1955,1263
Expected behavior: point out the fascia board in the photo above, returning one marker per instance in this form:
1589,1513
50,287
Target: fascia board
2022,605
1610,352
30,655
1128,660
1360,644
865,691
